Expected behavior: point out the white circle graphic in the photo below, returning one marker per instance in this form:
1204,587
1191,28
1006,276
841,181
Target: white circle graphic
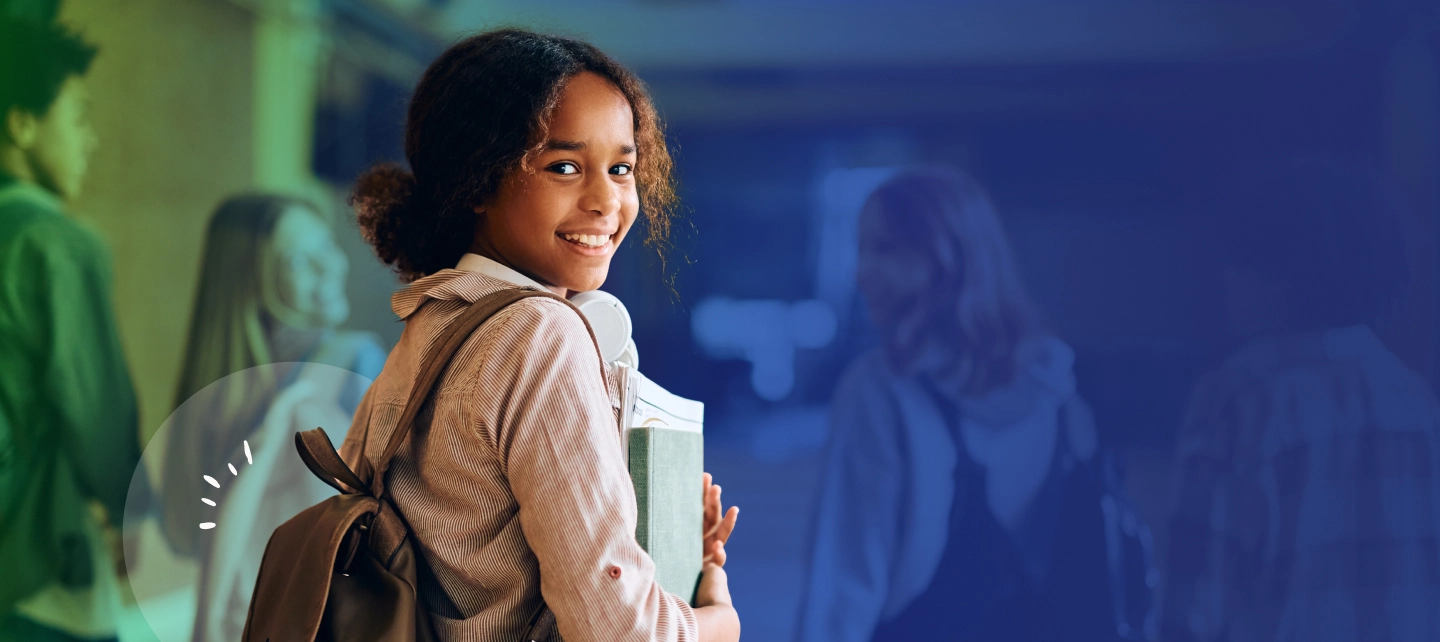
214,482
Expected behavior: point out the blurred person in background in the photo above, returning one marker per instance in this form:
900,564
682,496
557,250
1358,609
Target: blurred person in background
1307,482
33,12
964,484
271,291
69,438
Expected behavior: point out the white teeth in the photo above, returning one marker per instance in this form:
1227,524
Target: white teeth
592,240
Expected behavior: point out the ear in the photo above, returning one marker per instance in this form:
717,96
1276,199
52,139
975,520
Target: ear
21,127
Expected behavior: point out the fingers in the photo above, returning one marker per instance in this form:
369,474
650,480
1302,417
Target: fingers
713,522
718,523
727,525
714,546
722,528
713,507
708,495
715,554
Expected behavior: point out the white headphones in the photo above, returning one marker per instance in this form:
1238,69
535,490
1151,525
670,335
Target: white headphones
611,323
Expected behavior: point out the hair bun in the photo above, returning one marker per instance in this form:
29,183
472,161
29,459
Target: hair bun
382,200
381,190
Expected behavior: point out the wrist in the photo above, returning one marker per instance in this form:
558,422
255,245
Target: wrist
717,600
718,622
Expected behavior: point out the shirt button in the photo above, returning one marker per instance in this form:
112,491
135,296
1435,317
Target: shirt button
615,572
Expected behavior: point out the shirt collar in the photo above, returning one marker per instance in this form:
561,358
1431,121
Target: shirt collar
470,280
472,262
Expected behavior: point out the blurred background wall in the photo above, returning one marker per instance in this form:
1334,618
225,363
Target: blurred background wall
1098,126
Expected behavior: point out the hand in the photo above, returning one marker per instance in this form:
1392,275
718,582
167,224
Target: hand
112,538
714,589
718,525
714,614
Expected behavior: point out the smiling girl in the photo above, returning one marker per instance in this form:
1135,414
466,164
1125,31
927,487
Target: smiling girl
531,157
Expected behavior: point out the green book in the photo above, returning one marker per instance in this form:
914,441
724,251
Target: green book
666,451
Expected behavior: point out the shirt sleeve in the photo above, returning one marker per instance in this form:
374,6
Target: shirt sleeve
1217,527
857,525
559,442
86,382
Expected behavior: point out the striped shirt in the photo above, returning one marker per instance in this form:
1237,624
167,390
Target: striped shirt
513,482
1309,500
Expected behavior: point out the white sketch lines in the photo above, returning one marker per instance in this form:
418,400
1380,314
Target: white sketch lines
249,459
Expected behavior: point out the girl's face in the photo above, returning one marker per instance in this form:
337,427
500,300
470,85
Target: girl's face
889,274
309,272
560,219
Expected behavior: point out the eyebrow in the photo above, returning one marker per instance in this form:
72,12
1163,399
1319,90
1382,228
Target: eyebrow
554,145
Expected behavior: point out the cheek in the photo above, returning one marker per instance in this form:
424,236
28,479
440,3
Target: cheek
79,149
300,286
69,148
629,208
528,216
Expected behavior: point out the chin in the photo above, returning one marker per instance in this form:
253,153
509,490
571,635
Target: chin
588,283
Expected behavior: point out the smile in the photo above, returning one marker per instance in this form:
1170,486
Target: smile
592,241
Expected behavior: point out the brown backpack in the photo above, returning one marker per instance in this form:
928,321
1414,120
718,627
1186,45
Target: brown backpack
345,569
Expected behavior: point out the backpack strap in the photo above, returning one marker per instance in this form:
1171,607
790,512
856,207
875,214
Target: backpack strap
318,453
448,343
320,456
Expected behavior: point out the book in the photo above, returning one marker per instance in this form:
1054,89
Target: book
665,447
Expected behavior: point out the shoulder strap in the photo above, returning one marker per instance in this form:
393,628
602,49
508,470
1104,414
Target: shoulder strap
447,344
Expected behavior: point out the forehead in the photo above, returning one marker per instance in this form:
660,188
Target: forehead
592,108
74,90
298,229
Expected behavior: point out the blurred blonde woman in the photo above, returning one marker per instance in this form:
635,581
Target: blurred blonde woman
269,300
965,490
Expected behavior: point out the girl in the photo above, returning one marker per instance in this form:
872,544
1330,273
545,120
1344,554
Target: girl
531,157
271,293
952,503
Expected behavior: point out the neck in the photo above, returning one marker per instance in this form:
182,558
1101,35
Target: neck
483,248
288,342
14,162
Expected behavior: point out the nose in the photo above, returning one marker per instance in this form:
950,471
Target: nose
601,196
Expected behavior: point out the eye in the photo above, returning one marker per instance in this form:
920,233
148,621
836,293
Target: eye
565,168
621,170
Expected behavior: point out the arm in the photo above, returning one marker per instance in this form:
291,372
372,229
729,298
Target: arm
557,437
85,382
858,517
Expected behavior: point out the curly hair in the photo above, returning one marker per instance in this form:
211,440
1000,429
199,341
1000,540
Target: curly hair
481,111
36,59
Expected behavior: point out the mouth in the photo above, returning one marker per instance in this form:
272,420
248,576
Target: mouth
587,242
